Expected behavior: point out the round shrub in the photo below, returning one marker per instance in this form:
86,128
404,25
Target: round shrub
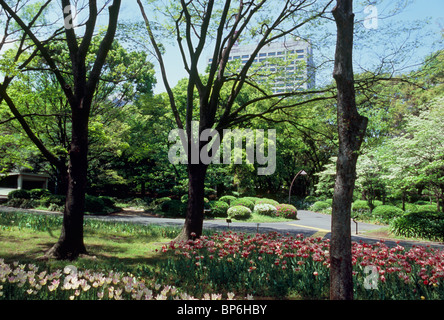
267,201
39,193
19,194
386,213
243,202
286,211
239,212
252,199
227,199
360,207
320,205
265,209
218,208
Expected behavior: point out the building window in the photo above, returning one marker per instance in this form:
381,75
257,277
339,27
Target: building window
271,54
245,56
262,54
300,51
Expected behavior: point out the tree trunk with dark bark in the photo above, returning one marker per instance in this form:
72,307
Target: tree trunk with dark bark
351,130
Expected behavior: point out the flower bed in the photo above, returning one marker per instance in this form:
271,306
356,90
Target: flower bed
276,265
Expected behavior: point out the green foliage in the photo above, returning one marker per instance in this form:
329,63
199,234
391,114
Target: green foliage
227,199
386,213
267,201
319,206
243,202
360,206
287,211
265,209
427,225
218,208
239,212
39,193
174,208
19,194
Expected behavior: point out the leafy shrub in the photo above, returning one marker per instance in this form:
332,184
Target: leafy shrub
239,212
286,211
386,213
360,206
39,193
218,208
420,224
174,208
252,199
21,203
19,194
268,201
243,202
265,209
426,207
94,205
227,199
55,199
318,206
310,199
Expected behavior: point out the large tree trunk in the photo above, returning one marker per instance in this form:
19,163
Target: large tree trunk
70,244
195,210
351,130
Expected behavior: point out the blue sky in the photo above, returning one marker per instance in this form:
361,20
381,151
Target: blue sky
419,9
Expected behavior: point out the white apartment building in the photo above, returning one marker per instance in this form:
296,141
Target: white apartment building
284,66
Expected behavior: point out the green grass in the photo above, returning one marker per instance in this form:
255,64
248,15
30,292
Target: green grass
110,245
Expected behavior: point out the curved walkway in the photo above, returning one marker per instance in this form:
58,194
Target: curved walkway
308,223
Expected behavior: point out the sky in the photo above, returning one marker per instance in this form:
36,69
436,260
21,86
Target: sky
419,9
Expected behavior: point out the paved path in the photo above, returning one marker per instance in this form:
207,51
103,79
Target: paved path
308,223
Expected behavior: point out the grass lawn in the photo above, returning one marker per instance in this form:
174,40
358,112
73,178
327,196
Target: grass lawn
26,237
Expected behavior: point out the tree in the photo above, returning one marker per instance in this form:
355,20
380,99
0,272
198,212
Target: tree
351,131
79,91
215,99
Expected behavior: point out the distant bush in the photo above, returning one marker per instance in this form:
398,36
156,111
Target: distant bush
252,199
268,201
310,199
243,202
21,203
386,213
318,206
286,211
39,193
19,194
218,208
239,212
426,207
227,199
54,199
420,224
265,209
174,208
359,205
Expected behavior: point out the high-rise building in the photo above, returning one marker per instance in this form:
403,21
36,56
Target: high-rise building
283,66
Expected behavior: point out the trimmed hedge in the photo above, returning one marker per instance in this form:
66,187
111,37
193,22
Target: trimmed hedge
265,209
386,213
239,212
268,201
218,208
243,202
286,211
19,194
227,199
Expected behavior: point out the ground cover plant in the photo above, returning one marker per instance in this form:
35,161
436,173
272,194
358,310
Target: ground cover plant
141,262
